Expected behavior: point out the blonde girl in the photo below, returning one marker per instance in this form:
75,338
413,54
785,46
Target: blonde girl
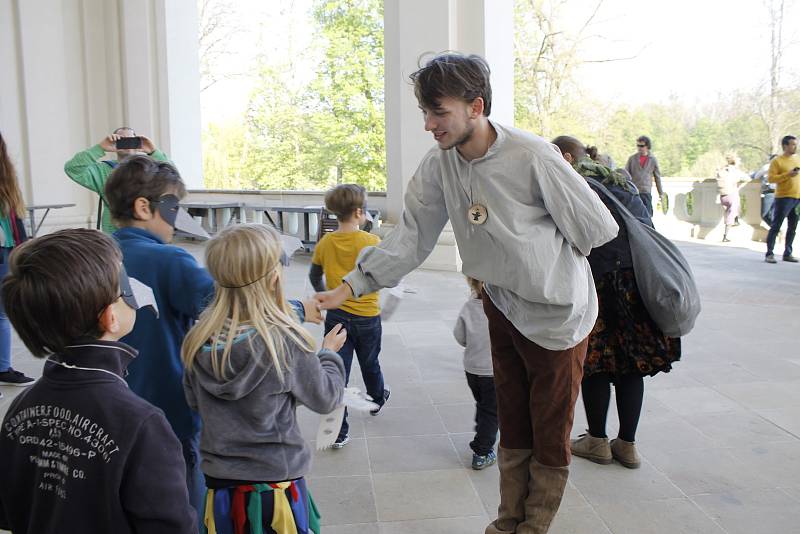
248,364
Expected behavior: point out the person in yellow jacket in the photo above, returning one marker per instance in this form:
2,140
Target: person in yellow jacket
785,172
85,169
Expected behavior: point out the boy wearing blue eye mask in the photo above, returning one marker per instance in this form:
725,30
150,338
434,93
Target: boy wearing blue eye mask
143,196
79,450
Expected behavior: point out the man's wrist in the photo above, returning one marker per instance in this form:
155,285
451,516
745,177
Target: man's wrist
346,283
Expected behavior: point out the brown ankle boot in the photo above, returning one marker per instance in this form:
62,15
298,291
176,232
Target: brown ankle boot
514,467
545,490
591,448
625,453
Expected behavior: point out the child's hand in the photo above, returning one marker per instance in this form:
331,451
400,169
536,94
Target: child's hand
311,309
335,338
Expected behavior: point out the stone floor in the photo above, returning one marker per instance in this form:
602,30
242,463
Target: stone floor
719,436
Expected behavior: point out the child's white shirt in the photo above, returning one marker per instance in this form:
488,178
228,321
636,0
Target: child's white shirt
472,333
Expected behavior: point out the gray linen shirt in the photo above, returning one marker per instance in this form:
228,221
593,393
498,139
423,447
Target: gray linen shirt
643,176
543,220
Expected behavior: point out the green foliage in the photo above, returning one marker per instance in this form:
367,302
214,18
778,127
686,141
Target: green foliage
313,135
687,141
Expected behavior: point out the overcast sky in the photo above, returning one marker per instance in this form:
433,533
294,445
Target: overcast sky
695,50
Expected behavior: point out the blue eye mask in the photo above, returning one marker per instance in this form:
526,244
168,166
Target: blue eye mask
178,218
135,294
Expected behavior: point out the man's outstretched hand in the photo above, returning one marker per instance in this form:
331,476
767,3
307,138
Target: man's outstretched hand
330,300
311,309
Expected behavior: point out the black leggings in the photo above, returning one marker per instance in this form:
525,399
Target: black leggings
596,391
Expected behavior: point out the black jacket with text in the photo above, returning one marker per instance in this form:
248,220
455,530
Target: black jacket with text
80,452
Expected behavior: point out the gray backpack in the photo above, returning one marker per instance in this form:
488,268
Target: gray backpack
663,275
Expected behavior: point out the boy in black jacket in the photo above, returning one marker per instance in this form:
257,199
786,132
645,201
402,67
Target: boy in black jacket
78,450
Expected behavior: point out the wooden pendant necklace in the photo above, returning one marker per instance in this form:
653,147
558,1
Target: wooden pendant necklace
477,213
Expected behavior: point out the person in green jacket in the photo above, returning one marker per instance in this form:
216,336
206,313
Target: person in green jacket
85,169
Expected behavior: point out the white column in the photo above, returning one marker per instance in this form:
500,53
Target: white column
179,87
417,29
486,28
412,28
76,69
161,79
45,99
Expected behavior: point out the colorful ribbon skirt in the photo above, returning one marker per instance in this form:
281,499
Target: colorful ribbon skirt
282,508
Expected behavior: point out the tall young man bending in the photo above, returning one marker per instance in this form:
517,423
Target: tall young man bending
524,221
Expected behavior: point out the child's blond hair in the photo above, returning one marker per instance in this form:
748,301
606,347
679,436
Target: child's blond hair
475,286
244,261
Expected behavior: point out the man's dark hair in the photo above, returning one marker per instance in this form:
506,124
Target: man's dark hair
57,286
140,176
787,139
646,140
570,145
344,199
453,75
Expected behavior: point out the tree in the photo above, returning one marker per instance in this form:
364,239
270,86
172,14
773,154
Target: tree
332,129
546,58
216,31
775,111
347,97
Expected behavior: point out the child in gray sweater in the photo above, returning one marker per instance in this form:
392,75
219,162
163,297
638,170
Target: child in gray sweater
472,333
249,364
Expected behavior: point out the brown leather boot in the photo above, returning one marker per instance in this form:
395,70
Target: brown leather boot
625,453
546,488
592,448
514,467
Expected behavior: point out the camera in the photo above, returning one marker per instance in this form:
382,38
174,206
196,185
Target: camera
129,143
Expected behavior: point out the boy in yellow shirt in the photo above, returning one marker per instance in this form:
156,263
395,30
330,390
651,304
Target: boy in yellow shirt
785,171
335,256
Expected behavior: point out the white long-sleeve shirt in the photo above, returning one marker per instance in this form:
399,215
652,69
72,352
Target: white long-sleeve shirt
472,333
543,220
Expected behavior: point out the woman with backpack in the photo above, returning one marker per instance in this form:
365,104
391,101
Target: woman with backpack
12,233
626,344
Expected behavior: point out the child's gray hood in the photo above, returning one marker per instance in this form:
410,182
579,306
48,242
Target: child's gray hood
248,366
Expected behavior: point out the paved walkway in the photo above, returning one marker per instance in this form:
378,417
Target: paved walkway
720,435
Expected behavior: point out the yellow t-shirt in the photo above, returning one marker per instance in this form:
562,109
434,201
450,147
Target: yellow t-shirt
336,253
779,169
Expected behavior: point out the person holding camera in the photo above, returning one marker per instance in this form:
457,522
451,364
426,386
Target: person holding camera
785,172
86,168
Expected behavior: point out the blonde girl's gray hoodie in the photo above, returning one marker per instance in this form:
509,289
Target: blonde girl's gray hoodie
250,430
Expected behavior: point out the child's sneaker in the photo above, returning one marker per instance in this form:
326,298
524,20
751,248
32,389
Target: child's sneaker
13,377
482,462
340,442
386,394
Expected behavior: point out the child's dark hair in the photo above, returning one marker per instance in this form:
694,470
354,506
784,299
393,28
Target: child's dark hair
453,75
345,199
140,176
57,286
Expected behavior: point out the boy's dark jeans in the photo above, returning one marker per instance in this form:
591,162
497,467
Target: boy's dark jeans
485,413
363,337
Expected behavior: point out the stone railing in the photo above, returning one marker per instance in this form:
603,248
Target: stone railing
444,256
693,210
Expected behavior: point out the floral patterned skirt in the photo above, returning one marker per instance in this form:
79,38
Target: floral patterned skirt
625,340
